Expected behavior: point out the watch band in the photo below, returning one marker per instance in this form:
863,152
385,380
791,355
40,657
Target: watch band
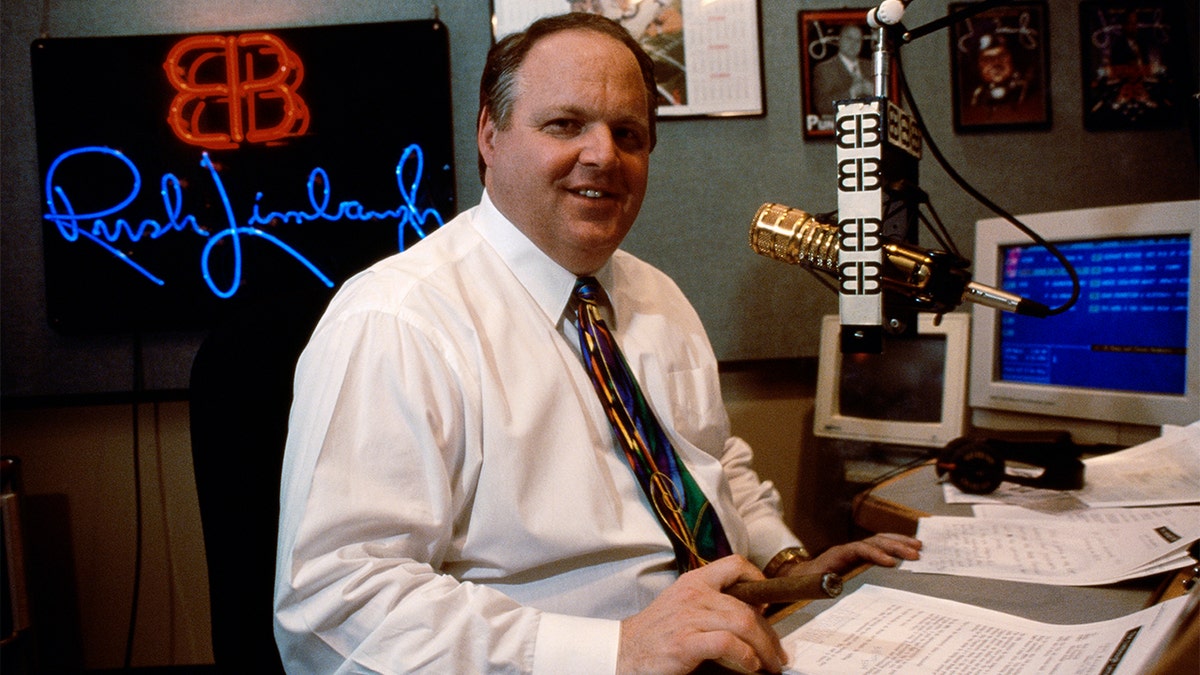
787,555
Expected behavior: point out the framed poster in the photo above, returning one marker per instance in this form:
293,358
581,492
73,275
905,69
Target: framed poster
1134,64
707,53
1000,68
835,64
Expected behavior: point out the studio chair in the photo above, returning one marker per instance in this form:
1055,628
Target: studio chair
240,394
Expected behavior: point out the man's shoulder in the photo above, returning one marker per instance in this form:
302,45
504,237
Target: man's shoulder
432,265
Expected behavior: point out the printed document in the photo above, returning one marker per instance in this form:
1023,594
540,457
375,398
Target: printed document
888,631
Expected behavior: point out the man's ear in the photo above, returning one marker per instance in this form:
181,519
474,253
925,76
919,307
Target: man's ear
485,135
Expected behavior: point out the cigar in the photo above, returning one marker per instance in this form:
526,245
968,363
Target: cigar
787,589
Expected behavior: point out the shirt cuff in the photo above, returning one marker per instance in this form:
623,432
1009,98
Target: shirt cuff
767,539
573,644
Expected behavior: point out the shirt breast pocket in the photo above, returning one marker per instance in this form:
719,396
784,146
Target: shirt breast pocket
690,405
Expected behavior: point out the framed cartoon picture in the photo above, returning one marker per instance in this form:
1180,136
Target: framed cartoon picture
1134,64
835,64
1000,68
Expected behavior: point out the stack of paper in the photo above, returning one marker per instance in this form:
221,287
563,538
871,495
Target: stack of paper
1165,470
1094,547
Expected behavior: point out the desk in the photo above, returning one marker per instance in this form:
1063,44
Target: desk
895,506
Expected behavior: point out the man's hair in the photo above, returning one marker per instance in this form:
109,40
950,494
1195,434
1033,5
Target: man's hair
498,85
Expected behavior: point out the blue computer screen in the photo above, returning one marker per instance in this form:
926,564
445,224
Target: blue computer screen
1128,330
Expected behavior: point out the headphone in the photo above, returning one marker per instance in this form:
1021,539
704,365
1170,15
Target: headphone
976,464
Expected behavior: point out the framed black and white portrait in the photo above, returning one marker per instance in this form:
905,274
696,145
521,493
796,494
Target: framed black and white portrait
835,64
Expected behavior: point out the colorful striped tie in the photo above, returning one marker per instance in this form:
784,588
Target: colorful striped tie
690,522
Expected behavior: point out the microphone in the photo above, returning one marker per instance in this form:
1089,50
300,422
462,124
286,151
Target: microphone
933,281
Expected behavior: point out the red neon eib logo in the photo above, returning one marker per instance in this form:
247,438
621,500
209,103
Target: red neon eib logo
235,89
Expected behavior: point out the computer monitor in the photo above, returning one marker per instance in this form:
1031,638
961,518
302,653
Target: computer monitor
912,393
1125,359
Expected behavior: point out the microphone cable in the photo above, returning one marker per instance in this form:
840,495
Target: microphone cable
979,197
939,232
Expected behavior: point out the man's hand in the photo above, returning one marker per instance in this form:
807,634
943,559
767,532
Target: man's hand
881,549
693,621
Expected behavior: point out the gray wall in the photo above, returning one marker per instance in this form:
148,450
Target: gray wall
708,176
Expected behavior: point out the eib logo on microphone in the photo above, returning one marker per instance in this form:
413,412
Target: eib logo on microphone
862,127
233,90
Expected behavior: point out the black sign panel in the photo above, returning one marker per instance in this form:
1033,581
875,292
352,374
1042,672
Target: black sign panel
183,173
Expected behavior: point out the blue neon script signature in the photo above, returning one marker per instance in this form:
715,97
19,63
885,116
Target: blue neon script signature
106,228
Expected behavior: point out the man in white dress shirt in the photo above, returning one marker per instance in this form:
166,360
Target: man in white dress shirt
453,499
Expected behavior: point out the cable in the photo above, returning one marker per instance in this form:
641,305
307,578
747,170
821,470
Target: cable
970,190
165,512
137,499
822,279
941,233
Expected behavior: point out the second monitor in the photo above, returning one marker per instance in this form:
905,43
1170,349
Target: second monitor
913,393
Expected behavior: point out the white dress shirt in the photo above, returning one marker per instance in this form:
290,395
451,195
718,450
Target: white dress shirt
453,499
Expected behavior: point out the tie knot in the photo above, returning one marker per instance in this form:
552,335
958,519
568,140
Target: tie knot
589,290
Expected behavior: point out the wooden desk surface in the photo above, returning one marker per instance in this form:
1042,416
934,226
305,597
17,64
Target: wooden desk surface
896,504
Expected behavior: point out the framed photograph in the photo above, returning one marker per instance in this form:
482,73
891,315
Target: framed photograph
1134,64
707,53
835,64
1000,68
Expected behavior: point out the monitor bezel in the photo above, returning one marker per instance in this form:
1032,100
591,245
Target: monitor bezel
1101,412
830,422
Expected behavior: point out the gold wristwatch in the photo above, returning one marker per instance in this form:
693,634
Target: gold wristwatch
787,555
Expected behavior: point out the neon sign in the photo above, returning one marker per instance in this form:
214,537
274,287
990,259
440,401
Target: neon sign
107,227
209,79
234,171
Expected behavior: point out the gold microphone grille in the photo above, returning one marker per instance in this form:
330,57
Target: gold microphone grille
793,236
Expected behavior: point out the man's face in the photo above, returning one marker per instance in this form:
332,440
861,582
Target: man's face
570,169
850,42
995,65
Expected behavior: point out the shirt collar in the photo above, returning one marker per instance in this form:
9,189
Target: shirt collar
548,283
